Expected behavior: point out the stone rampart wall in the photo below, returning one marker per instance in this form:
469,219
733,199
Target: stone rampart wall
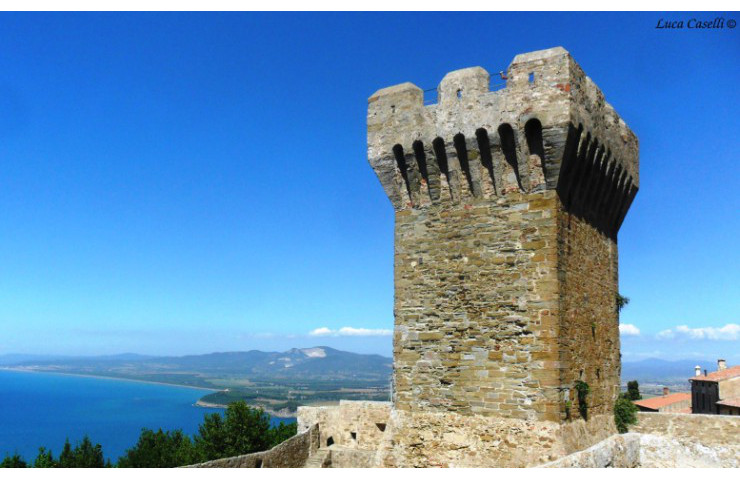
709,430
617,451
292,453
446,439
351,424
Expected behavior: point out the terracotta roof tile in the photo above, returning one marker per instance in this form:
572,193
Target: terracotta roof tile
725,374
658,402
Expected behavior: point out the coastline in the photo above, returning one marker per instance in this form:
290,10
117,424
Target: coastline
124,379
279,414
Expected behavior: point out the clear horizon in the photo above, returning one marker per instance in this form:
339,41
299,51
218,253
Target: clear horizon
184,183
688,358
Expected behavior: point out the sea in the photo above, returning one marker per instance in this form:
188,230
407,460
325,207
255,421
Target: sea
44,409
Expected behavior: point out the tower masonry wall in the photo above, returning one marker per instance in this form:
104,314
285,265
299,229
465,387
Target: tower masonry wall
507,207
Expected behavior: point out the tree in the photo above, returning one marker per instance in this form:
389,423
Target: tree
66,458
84,455
282,432
633,390
625,413
44,459
13,461
243,430
160,450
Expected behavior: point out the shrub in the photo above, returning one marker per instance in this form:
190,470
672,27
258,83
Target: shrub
625,413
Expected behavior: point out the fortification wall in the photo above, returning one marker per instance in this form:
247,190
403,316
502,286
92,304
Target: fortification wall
292,453
709,430
449,439
617,451
351,424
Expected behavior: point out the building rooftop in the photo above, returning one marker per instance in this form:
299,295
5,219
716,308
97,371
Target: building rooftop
718,376
730,402
659,402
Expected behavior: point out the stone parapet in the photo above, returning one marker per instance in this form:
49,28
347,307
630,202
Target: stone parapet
710,430
292,453
352,434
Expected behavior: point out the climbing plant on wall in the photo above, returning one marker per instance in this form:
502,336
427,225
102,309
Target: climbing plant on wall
582,389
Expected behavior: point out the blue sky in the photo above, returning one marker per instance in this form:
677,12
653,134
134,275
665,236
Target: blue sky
187,183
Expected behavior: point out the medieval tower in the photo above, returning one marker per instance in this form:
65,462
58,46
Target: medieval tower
507,207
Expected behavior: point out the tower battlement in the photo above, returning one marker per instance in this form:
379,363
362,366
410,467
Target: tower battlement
550,128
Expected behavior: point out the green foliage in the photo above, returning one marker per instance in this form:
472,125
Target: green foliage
622,302
160,450
633,390
84,455
244,430
13,461
283,432
44,459
625,413
582,389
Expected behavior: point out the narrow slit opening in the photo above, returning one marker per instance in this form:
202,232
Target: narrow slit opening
533,133
401,163
462,155
484,145
508,147
421,160
439,151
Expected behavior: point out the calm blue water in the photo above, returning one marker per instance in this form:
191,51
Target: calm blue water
44,409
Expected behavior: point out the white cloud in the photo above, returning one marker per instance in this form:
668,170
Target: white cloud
628,329
666,334
350,332
731,331
320,332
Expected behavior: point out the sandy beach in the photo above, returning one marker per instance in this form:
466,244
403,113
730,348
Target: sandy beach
126,379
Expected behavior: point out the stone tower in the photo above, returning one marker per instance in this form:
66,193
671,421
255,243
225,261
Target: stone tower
507,207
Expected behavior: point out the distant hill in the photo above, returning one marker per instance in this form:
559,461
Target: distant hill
297,364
